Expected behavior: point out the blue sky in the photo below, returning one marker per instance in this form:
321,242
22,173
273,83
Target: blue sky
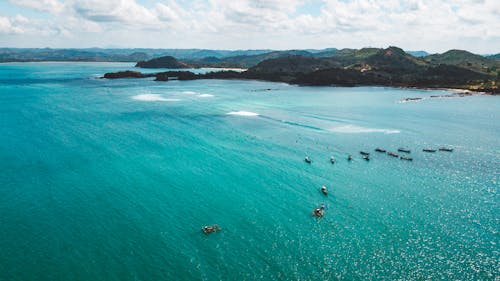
431,25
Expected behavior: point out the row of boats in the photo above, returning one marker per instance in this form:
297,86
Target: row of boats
366,155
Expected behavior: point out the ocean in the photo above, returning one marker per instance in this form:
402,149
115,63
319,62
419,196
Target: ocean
114,179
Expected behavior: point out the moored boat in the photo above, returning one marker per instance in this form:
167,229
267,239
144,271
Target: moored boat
308,160
380,149
404,150
392,154
332,160
364,153
446,149
406,158
349,158
428,150
366,157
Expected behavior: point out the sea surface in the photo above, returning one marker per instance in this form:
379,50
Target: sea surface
113,180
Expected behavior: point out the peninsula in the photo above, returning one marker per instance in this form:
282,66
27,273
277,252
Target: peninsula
364,67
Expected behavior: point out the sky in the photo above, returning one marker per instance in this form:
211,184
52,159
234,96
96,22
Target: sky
430,25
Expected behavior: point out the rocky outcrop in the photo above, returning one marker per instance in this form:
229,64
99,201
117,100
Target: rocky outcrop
125,74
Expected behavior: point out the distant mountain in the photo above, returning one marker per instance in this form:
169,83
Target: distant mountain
495,57
466,60
418,53
162,62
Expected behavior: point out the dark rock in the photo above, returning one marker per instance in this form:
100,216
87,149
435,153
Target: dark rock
124,74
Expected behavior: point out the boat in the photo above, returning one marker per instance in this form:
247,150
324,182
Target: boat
428,150
380,150
392,154
308,160
404,150
366,157
406,158
446,149
349,158
319,212
207,229
364,153
332,160
323,190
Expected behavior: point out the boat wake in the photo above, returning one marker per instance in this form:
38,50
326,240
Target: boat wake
152,97
243,113
351,129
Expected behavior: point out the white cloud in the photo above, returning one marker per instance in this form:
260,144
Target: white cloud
411,24
52,6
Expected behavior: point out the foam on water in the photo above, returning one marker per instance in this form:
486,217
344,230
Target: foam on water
205,96
243,113
152,97
352,129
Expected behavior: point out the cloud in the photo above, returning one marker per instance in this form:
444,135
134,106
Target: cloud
52,6
14,25
422,24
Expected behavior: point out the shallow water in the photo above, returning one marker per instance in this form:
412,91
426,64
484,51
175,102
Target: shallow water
113,180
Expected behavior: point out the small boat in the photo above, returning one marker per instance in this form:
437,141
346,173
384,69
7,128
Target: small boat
364,153
379,150
210,229
428,150
323,190
404,150
446,149
332,160
406,158
349,158
319,212
392,154
308,160
366,157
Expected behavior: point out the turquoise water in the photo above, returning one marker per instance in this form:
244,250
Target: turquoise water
113,179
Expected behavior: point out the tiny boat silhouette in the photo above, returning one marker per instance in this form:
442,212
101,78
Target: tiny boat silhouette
379,150
366,157
332,160
404,150
308,160
392,154
428,150
406,158
207,229
319,212
349,158
323,190
446,149
364,153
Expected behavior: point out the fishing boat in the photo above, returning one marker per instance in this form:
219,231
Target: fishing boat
406,158
319,212
446,149
392,154
210,229
323,190
428,150
349,158
308,160
364,153
404,150
332,160
366,157
380,150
